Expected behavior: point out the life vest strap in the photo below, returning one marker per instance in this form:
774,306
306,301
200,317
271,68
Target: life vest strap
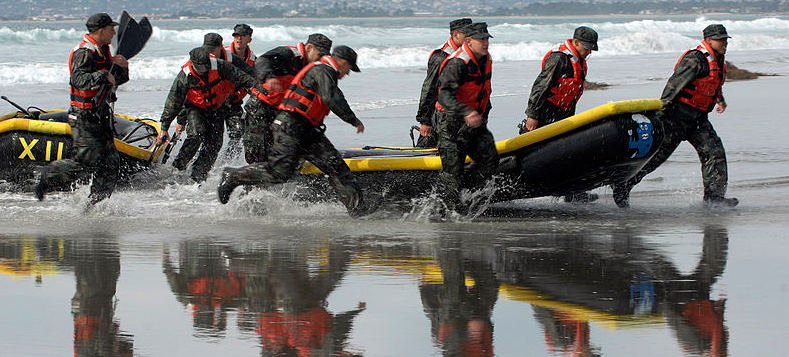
294,103
301,91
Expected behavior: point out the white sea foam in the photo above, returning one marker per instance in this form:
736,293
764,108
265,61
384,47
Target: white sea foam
45,73
9,36
290,34
380,46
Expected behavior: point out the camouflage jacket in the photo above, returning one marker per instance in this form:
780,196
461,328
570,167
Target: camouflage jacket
429,95
556,65
176,99
85,74
323,80
455,74
278,61
692,66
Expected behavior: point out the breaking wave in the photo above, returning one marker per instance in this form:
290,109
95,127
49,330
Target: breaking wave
381,47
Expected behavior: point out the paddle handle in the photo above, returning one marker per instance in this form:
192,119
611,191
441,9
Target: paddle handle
23,110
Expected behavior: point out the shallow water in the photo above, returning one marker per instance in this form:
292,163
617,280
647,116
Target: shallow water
551,280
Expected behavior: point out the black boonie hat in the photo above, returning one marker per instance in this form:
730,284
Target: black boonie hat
459,25
715,32
241,30
321,42
98,21
201,60
212,40
478,30
587,36
347,54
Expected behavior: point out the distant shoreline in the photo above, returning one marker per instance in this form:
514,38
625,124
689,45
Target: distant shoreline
296,18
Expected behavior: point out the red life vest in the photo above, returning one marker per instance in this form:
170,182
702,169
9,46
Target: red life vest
249,58
448,47
209,95
84,98
567,91
475,92
216,290
304,101
274,98
302,333
706,91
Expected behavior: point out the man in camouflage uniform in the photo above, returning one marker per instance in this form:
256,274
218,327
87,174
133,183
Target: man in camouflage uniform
427,99
299,132
274,70
201,97
238,53
91,130
462,114
558,87
559,64
690,94
231,111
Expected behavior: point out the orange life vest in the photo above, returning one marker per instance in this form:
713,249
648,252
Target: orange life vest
302,100
567,91
249,58
216,290
475,92
208,95
84,98
706,91
448,47
274,98
302,332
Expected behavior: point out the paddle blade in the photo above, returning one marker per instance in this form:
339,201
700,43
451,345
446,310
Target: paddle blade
147,27
123,22
132,36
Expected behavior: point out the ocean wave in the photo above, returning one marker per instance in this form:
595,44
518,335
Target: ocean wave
9,36
146,66
33,73
366,35
48,73
381,47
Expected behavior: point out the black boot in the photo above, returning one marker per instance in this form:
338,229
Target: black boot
720,201
42,187
226,185
621,195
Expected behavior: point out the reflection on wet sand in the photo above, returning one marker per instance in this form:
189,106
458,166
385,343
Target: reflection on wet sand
624,283
570,281
96,266
278,289
460,312
205,284
279,292
96,331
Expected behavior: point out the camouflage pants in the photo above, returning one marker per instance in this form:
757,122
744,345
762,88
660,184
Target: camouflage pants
259,135
94,153
682,123
204,133
234,123
296,138
455,141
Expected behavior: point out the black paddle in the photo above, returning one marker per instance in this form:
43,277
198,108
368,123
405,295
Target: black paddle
131,38
17,106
